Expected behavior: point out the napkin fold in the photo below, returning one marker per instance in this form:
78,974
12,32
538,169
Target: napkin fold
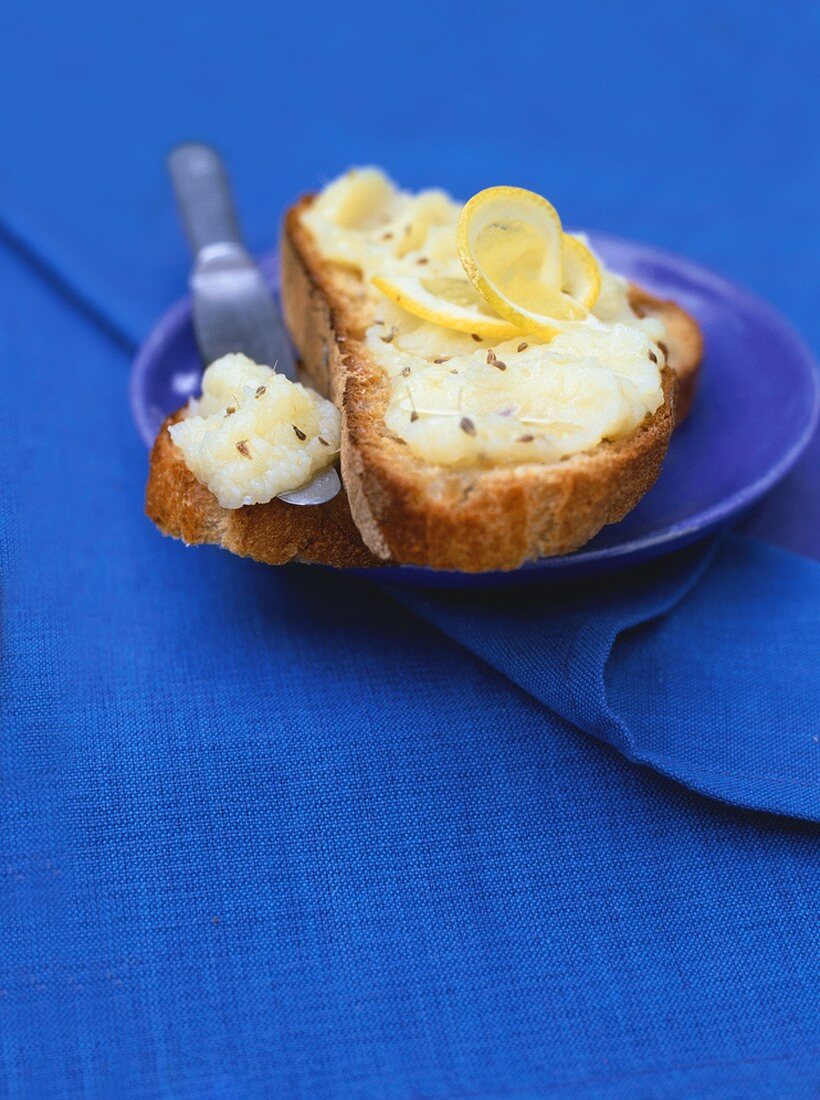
703,665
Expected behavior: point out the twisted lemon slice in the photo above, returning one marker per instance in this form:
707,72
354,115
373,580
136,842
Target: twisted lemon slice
445,300
523,265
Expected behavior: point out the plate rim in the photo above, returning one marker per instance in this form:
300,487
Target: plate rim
680,533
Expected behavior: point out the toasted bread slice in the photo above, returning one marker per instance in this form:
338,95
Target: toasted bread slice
396,508
468,519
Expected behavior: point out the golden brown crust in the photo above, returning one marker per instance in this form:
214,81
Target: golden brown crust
404,510
472,520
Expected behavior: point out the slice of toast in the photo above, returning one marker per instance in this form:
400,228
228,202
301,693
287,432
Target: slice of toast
274,533
468,519
396,508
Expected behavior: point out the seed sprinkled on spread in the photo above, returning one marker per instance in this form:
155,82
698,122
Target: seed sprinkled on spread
231,409
453,370
260,390
299,433
243,448
653,357
406,372
467,425
494,362
324,442
423,260
389,337
387,236
522,346
526,438
443,359
413,416
476,337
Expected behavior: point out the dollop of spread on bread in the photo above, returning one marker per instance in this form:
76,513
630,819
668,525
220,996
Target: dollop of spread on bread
460,398
254,434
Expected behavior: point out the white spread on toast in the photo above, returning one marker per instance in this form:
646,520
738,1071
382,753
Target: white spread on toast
458,400
254,434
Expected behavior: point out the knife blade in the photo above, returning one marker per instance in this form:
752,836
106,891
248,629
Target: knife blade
233,308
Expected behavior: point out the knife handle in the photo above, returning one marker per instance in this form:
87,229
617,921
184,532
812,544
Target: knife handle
203,195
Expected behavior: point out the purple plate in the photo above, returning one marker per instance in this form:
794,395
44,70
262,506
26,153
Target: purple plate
753,415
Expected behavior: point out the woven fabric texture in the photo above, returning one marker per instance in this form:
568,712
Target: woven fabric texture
281,833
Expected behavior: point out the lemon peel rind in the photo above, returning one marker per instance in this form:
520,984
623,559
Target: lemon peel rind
486,328
593,269
569,309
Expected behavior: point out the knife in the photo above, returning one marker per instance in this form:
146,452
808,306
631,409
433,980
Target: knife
233,308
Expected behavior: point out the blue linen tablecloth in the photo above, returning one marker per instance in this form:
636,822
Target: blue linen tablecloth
275,833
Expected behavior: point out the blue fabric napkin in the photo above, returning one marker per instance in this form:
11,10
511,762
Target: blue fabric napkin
703,666
268,833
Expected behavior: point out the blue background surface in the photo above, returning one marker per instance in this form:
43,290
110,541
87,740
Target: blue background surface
268,833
